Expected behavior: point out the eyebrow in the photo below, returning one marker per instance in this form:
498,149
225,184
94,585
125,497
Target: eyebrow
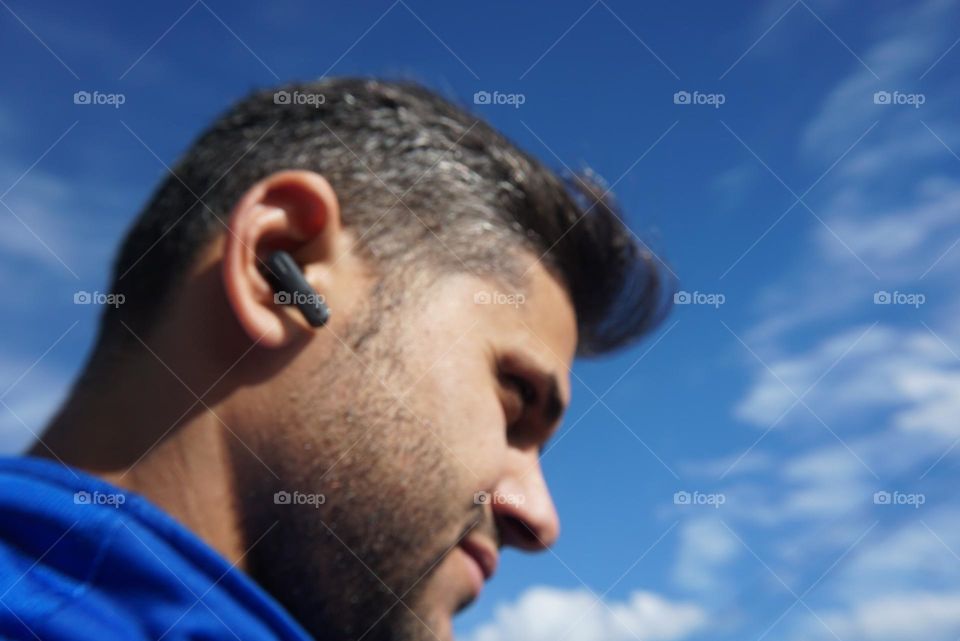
554,408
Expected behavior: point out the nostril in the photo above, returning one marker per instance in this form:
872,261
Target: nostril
517,532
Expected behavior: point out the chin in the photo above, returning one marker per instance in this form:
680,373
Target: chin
445,592
443,629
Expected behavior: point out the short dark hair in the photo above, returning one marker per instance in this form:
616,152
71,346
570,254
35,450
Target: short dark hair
424,183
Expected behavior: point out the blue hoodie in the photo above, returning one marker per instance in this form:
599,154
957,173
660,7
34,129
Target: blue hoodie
81,559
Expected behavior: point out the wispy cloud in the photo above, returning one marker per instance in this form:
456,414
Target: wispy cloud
906,372
933,616
551,614
706,550
878,381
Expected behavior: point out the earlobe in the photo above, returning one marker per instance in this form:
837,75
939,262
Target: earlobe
291,211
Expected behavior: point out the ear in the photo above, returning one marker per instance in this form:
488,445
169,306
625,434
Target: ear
298,212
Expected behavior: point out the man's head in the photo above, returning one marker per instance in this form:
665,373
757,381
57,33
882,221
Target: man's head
376,463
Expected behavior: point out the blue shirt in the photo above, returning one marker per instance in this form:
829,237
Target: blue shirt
81,559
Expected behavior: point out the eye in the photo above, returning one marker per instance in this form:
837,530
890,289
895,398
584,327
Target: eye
524,389
513,398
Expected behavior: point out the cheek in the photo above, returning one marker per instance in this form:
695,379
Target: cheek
466,413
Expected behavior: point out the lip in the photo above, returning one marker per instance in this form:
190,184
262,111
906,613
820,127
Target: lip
485,556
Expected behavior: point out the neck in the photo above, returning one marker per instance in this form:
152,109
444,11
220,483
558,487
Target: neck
141,428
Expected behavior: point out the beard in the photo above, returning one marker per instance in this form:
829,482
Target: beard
358,562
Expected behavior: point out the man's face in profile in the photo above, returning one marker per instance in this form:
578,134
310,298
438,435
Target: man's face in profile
365,472
424,444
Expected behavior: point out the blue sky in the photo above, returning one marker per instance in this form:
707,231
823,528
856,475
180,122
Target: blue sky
805,189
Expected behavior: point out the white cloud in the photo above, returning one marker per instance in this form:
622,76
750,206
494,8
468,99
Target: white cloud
35,202
898,240
890,387
934,397
889,208
906,372
733,185
826,483
911,553
818,485
706,548
550,614
63,223
896,583
914,38
848,109
924,615
893,399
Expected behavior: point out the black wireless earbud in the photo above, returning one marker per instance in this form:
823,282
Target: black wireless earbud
292,288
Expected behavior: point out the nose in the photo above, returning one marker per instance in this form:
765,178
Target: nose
522,508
